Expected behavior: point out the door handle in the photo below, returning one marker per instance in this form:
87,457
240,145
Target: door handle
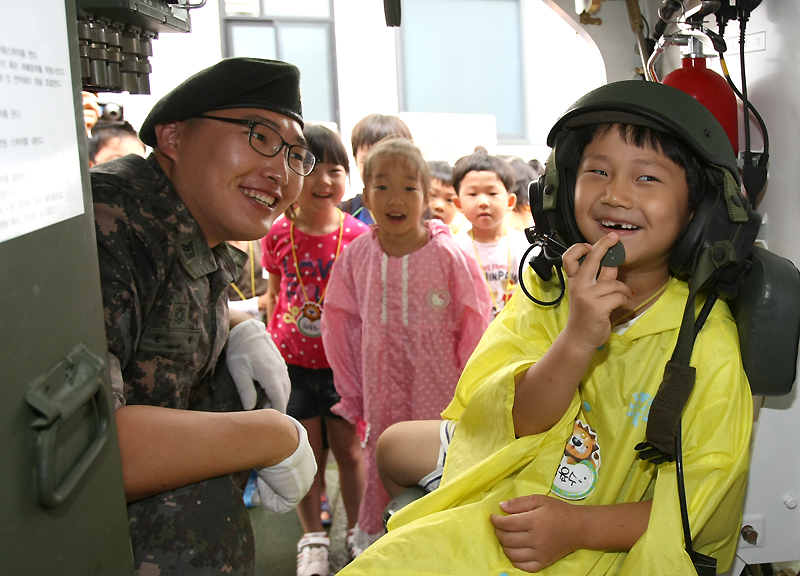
55,398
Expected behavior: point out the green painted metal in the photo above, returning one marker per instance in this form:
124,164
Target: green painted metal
49,304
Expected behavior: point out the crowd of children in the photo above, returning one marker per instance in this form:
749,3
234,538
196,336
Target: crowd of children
376,303
397,308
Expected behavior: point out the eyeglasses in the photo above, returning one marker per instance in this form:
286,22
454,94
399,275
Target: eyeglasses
268,142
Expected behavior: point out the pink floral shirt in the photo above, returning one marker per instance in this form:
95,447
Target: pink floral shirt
295,322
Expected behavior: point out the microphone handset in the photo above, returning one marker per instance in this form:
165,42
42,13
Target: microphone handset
549,256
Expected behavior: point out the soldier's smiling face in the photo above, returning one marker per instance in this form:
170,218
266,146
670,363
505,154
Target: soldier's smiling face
232,191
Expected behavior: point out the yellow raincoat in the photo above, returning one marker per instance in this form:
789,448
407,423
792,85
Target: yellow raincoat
449,532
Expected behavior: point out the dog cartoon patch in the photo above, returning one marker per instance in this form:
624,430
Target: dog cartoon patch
576,477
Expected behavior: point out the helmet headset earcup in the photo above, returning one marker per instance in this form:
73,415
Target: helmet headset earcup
685,251
724,216
552,201
553,210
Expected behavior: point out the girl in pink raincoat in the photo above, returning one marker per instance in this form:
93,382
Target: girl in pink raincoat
402,315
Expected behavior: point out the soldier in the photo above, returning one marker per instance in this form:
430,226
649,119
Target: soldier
228,157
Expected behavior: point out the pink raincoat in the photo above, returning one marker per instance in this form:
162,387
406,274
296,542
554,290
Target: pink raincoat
397,333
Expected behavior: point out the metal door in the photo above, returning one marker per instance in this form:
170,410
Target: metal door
62,504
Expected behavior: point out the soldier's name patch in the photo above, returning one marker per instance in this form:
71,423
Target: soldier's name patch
169,340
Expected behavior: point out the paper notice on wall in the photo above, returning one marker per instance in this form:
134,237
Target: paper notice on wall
40,179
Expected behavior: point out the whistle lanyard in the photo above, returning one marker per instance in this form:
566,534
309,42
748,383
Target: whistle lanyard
509,283
297,264
252,275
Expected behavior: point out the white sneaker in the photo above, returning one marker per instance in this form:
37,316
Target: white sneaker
350,541
312,554
357,541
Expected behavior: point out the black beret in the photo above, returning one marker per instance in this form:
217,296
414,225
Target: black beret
230,83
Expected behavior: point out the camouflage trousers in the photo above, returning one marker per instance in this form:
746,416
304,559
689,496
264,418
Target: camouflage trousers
198,530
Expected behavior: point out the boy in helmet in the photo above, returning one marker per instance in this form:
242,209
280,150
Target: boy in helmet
542,474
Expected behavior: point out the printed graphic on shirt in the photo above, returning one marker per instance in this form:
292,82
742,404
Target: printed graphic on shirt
438,299
315,273
502,281
576,477
639,408
308,319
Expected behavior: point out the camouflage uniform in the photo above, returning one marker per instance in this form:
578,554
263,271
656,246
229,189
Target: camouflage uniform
244,283
166,321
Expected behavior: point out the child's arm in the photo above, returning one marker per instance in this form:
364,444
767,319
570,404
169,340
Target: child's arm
273,291
342,338
540,530
545,390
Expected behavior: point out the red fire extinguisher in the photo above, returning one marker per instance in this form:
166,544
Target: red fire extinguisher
709,88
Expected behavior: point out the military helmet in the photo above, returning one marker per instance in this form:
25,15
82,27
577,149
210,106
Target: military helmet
723,211
656,106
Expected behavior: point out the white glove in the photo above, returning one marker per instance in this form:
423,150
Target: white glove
253,357
282,486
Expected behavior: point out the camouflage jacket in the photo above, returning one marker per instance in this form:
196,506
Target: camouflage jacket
163,287
251,282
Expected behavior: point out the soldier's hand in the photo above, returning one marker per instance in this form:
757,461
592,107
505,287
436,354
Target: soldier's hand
283,485
253,357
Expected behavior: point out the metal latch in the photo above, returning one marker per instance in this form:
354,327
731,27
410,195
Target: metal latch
55,398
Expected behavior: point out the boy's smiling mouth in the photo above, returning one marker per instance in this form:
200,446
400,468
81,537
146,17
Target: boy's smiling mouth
617,225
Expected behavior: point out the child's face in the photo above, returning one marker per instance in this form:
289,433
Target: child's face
441,201
323,189
484,200
636,192
395,196
361,158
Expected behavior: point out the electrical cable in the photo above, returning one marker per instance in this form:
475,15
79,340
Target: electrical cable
753,110
754,176
742,26
687,534
705,311
521,270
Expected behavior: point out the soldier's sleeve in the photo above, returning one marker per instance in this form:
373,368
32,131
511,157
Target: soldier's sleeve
121,261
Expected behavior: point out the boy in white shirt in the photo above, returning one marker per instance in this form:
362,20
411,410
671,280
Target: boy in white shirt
485,185
442,196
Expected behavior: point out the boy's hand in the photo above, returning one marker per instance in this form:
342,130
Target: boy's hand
594,292
538,531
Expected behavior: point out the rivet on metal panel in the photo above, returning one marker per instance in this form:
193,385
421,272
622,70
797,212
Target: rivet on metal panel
749,535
